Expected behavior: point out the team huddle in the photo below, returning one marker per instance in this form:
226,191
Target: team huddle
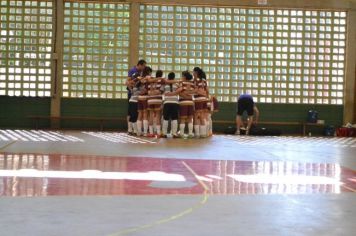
156,100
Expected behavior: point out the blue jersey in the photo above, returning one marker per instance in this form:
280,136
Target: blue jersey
245,96
133,71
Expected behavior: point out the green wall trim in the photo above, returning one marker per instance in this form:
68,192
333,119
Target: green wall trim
94,107
332,114
14,111
84,107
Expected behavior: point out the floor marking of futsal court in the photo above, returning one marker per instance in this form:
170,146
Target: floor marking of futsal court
187,211
36,136
285,140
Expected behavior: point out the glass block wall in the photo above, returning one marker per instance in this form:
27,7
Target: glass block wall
96,45
278,56
26,34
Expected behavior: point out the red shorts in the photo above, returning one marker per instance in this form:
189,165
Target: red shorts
186,109
142,105
154,107
200,105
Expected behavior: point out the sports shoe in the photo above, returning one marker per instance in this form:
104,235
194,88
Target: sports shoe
237,132
151,136
190,136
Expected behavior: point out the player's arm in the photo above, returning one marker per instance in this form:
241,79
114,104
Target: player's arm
191,92
200,91
128,81
257,113
178,91
167,81
152,80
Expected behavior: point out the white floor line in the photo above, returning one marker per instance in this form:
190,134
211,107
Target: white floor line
302,141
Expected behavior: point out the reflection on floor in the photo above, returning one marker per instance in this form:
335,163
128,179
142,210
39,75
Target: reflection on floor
36,136
50,175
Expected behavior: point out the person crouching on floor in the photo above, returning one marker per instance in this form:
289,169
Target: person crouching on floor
246,103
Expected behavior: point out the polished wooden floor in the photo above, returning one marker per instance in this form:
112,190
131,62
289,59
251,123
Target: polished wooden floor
159,186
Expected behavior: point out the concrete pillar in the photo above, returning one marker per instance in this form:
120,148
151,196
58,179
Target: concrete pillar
134,33
57,63
350,72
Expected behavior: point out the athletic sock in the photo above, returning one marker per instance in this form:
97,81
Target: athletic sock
139,127
165,127
182,127
145,126
129,127
190,128
196,131
174,127
158,129
134,125
203,130
154,126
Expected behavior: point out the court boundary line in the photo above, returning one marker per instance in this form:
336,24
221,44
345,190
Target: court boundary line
348,188
202,202
7,145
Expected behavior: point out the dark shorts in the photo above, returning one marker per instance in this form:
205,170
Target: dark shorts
133,113
128,99
245,104
170,111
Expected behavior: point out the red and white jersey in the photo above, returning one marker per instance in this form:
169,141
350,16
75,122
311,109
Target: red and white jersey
155,92
200,84
143,92
184,98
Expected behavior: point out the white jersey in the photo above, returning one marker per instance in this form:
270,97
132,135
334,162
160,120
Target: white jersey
135,92
170,88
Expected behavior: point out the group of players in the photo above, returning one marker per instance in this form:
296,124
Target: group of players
156,100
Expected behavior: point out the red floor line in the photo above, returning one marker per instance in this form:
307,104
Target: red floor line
348,188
